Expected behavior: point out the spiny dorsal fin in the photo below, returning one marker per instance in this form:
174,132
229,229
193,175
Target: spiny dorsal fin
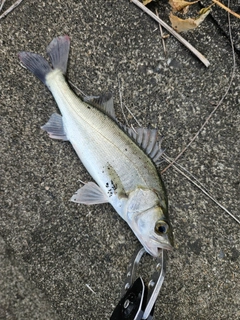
104,102
147,140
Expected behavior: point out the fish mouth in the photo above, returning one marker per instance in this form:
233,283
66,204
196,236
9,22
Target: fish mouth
166,246
156,250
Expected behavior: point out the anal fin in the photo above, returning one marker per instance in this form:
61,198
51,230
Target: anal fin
54,127
89,194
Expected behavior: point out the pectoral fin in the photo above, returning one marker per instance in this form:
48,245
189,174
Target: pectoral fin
54,127
89,194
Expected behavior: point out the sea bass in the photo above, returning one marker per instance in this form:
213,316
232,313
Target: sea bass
122,161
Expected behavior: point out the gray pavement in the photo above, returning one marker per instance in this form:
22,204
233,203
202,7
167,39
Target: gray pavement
51,250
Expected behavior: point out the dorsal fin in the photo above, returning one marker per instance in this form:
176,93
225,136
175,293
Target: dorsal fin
104,102
148,140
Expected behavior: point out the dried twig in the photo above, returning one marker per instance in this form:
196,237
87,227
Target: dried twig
17,3
162,37
226,8
174,33
198,184
81,92
138,123
2,4
88,286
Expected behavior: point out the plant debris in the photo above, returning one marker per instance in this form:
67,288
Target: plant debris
179,5
173,32
145,2
181,25
5,13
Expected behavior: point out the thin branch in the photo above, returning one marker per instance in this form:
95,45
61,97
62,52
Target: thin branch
198,184
174,33
161,33
88,286
226,8
138,123
17,3
82,93
2,4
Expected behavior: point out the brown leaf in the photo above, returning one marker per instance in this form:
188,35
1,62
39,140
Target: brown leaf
181,25
178,5
145,2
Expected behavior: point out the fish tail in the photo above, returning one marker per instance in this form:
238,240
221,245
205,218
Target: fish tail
58,51
36,64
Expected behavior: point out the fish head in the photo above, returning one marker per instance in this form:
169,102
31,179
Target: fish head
149,222
153,231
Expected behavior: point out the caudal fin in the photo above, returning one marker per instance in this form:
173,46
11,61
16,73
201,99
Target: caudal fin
58,51
35,63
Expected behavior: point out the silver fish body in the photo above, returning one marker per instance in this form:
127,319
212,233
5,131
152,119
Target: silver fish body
126,176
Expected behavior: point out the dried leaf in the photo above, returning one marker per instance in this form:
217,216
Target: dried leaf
145,2
181,25
178,5
185,10
204,10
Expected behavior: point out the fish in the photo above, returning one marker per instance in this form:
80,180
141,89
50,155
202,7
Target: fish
121,160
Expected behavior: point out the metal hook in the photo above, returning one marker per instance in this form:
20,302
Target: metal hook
138,298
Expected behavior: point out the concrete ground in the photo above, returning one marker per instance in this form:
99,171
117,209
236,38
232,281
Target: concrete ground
52,250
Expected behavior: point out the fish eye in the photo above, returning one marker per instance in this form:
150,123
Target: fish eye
161,227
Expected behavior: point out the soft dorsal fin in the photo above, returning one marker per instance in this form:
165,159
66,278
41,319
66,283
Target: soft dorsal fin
104,102
148,140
